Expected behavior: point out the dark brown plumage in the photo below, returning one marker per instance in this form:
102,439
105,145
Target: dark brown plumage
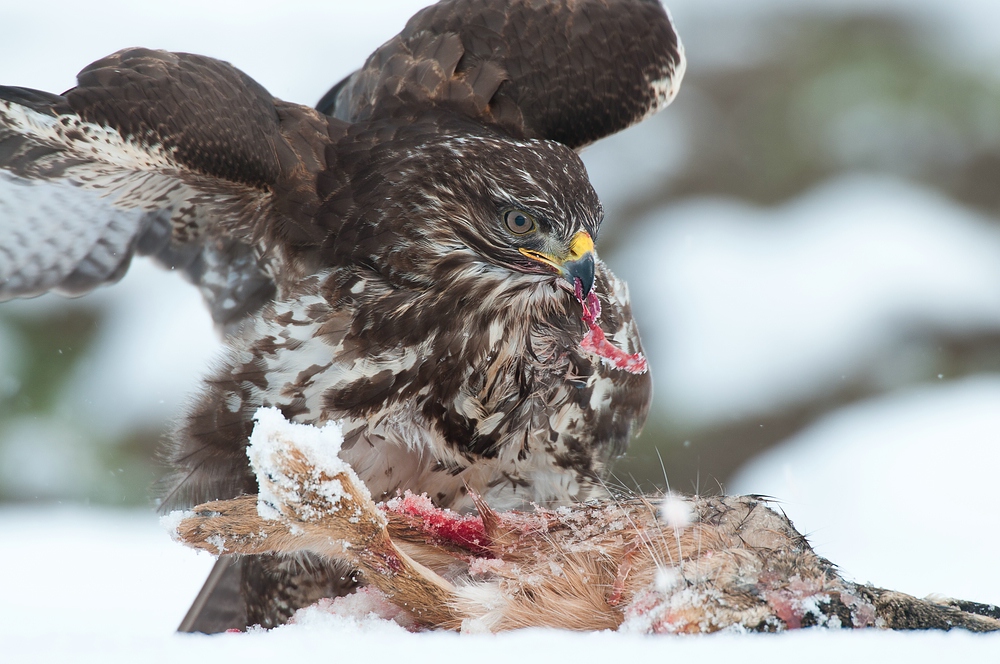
407,265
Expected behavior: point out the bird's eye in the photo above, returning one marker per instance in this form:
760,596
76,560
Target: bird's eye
518,222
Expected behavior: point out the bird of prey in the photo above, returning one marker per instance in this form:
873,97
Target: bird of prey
414,258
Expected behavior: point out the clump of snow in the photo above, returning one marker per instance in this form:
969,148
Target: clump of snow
366,604
273,434
676,511
172,522
273,443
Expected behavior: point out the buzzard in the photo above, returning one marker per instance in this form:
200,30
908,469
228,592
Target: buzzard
414,258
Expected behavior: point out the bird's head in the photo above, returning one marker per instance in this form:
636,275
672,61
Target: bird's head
471,201
459,221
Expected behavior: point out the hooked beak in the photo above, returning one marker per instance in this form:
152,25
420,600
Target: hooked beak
579,264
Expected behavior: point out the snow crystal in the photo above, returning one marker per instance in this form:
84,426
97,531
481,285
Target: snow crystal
219,542
668,578
675,511
486,566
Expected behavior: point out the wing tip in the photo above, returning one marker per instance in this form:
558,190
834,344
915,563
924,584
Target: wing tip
37,100
219,605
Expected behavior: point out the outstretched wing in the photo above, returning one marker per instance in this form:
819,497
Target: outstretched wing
571,72
178,156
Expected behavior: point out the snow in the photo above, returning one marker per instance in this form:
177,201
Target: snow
171,522
899,491
667,578
273,439
78,574
367,608
273,435
675,511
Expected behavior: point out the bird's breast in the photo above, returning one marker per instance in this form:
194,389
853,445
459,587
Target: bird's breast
499,399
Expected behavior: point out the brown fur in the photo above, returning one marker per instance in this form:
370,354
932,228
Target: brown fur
735,563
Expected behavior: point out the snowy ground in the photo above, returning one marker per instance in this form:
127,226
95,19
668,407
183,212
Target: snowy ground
899,492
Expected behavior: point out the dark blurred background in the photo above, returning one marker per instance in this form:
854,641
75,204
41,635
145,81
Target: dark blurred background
813,223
